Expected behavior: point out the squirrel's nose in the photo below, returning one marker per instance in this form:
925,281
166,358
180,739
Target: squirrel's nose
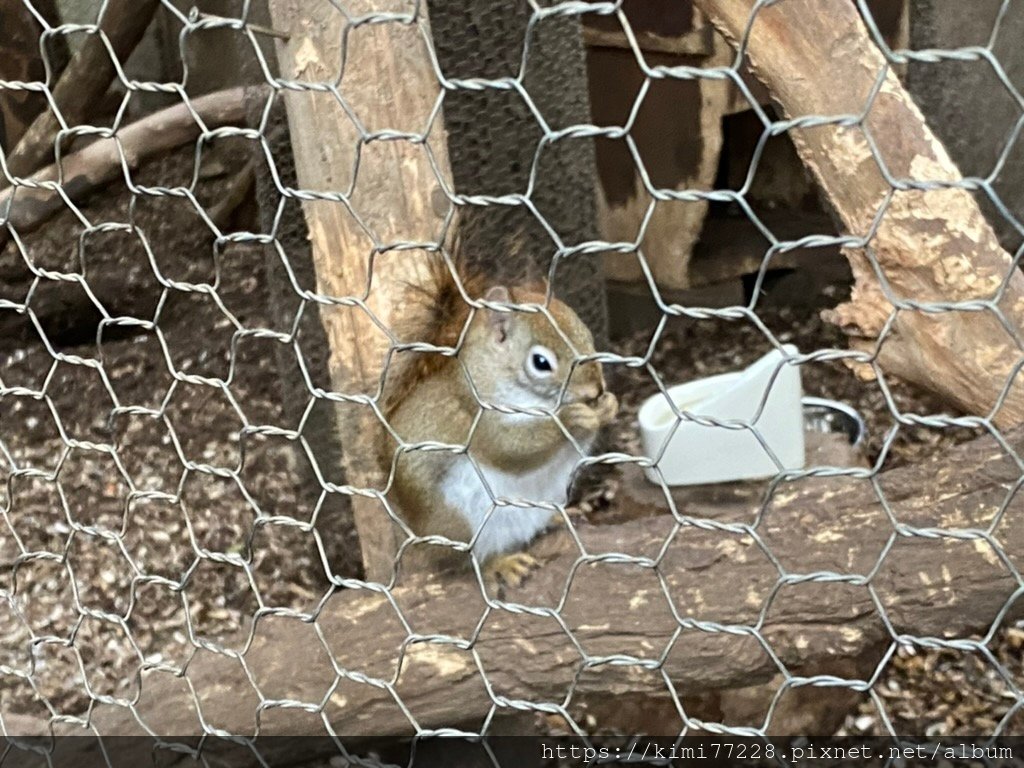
591,392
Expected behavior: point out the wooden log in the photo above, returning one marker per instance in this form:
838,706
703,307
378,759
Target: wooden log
930,587
84,81
27,208
658,26
389,83
964,102
932,246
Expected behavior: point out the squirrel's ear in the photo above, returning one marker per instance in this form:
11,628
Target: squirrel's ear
498,294
498,322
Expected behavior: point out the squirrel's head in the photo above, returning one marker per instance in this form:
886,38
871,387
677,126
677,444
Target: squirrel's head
524,360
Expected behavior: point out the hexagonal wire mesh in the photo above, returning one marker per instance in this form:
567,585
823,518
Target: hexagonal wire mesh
153,523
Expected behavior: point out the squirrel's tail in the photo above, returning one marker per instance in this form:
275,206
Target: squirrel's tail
435,313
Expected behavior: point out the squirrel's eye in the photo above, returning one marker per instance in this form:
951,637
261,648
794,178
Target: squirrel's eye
541,361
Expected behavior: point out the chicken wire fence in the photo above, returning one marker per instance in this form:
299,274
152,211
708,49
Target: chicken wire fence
161,498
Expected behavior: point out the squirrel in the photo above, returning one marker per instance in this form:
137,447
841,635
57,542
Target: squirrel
515,392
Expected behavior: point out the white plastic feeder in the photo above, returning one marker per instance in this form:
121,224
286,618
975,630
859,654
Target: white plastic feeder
692,454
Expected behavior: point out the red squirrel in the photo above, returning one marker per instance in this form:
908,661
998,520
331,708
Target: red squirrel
506,363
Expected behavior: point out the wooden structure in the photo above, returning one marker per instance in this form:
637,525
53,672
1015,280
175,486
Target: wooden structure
697,134
920,244
931,245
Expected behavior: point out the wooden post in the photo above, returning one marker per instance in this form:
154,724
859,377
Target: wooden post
388,82
817,58
682,148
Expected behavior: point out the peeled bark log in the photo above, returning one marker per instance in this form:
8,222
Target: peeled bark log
817,58
930,587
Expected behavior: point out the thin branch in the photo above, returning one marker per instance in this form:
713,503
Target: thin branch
103,161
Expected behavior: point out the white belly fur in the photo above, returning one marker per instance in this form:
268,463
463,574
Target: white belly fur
508,528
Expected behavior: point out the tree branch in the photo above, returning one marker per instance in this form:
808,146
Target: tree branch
84,82
27,208
20,60
818,59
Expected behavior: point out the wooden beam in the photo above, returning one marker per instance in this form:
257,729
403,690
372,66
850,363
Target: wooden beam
696,42
932,246
389,83
680,151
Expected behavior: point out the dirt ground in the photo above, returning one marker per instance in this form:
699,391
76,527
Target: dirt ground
122,504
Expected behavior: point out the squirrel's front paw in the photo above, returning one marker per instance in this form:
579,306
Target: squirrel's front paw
579,418
606,407
511,570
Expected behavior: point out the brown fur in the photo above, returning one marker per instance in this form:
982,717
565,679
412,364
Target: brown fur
436,314
435,398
